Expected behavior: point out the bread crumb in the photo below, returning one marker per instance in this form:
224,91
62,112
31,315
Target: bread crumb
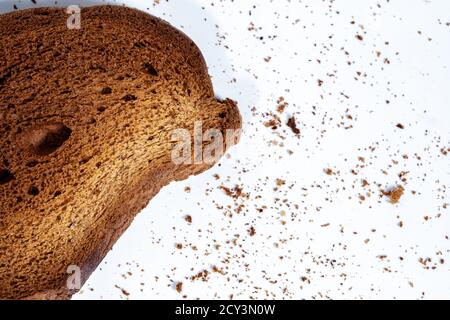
293,125
124,292
395,194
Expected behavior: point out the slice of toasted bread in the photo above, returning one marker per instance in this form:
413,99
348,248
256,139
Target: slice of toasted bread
86,117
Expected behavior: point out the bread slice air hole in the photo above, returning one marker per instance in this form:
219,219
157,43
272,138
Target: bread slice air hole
45,139
129,97
150,69
101,109
5,176
106,90
84,160
139,44
31,163
33,191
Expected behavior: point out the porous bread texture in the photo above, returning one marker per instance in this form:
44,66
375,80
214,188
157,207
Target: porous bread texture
84,134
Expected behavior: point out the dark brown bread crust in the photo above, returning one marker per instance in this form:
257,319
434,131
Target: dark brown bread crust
85,117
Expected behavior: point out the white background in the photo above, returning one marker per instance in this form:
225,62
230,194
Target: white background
332,244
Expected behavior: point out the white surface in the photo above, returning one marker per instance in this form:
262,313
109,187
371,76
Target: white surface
335,259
